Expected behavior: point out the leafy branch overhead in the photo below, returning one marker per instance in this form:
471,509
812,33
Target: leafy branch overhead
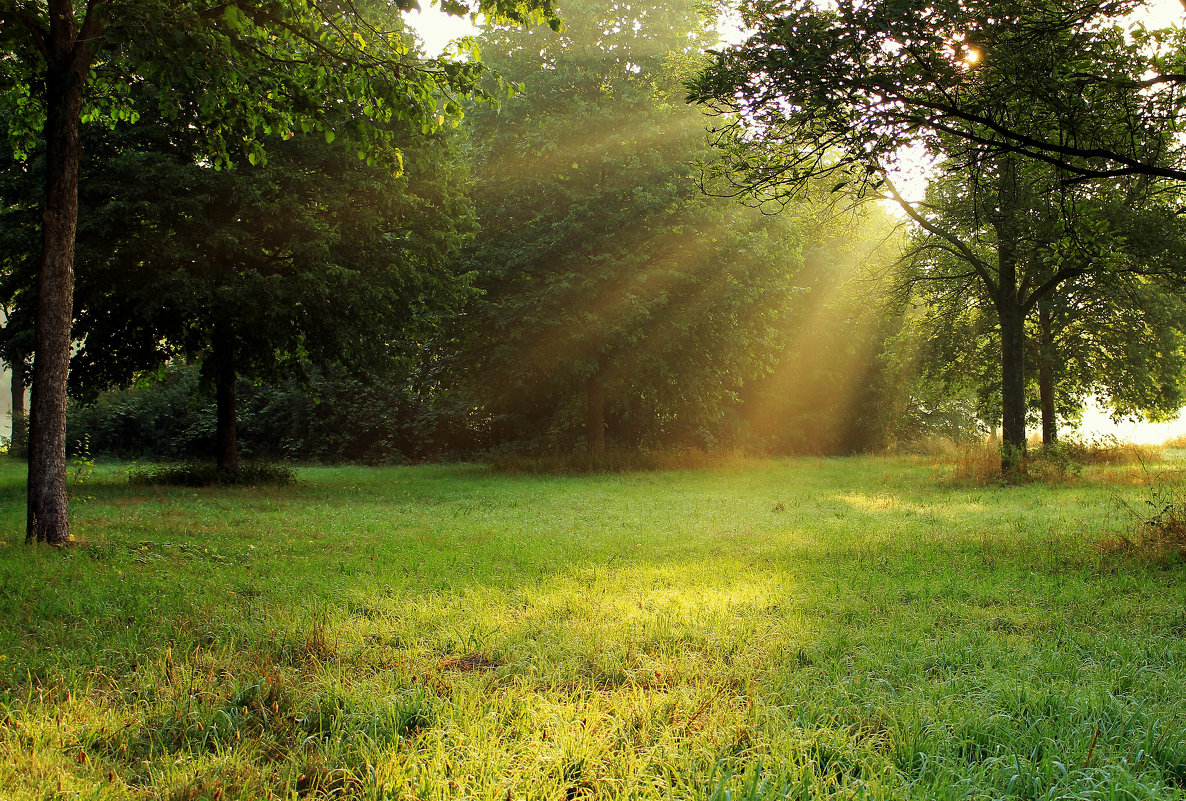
840,92
239,72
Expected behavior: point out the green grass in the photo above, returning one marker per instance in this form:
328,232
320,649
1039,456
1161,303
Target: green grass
853,628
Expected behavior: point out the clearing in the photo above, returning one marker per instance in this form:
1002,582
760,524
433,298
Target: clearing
849,628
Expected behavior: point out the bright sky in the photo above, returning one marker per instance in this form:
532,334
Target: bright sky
1097,423
437,29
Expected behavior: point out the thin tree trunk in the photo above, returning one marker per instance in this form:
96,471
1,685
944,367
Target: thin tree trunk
1046,358
20,417
67,64
224,393
595,416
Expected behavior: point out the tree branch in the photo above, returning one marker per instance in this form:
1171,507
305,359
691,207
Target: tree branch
965,252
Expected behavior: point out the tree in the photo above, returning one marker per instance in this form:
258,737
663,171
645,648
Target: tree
259,271
1113,328
841,94
619,303
264,67
1095,287
831,388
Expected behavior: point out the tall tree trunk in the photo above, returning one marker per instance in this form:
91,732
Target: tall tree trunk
1012,322
68,61
595,415
223,355
1046,358
20,416
1011,316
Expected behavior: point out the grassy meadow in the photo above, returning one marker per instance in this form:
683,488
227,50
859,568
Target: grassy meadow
839,628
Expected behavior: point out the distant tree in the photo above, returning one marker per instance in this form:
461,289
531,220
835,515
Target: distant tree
264,67
1097,284
618,301
840,94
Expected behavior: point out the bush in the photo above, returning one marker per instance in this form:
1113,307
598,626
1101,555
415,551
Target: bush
327,418
163,416
207,474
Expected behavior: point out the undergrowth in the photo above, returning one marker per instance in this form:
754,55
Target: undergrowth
978,463
1158,528
208,474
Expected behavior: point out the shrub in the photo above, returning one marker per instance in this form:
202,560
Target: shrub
163,416
327,418
207,474
1056,462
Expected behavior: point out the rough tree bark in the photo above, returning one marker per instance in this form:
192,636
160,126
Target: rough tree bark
1012,321
1011,318
68,57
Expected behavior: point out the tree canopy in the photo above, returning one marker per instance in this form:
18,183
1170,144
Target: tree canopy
834,91
617,297
843,94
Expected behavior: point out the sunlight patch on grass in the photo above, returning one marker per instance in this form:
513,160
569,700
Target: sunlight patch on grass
809,628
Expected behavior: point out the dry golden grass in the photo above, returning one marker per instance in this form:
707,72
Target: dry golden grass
1177,443
1158,531
977,463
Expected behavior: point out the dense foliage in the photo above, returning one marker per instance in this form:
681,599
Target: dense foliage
986,90
329,416
619,301
230,74
568,273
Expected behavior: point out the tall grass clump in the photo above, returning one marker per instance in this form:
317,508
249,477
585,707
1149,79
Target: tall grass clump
976,463
1158,531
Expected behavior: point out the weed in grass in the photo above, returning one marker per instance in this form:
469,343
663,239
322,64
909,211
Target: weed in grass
1158,531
